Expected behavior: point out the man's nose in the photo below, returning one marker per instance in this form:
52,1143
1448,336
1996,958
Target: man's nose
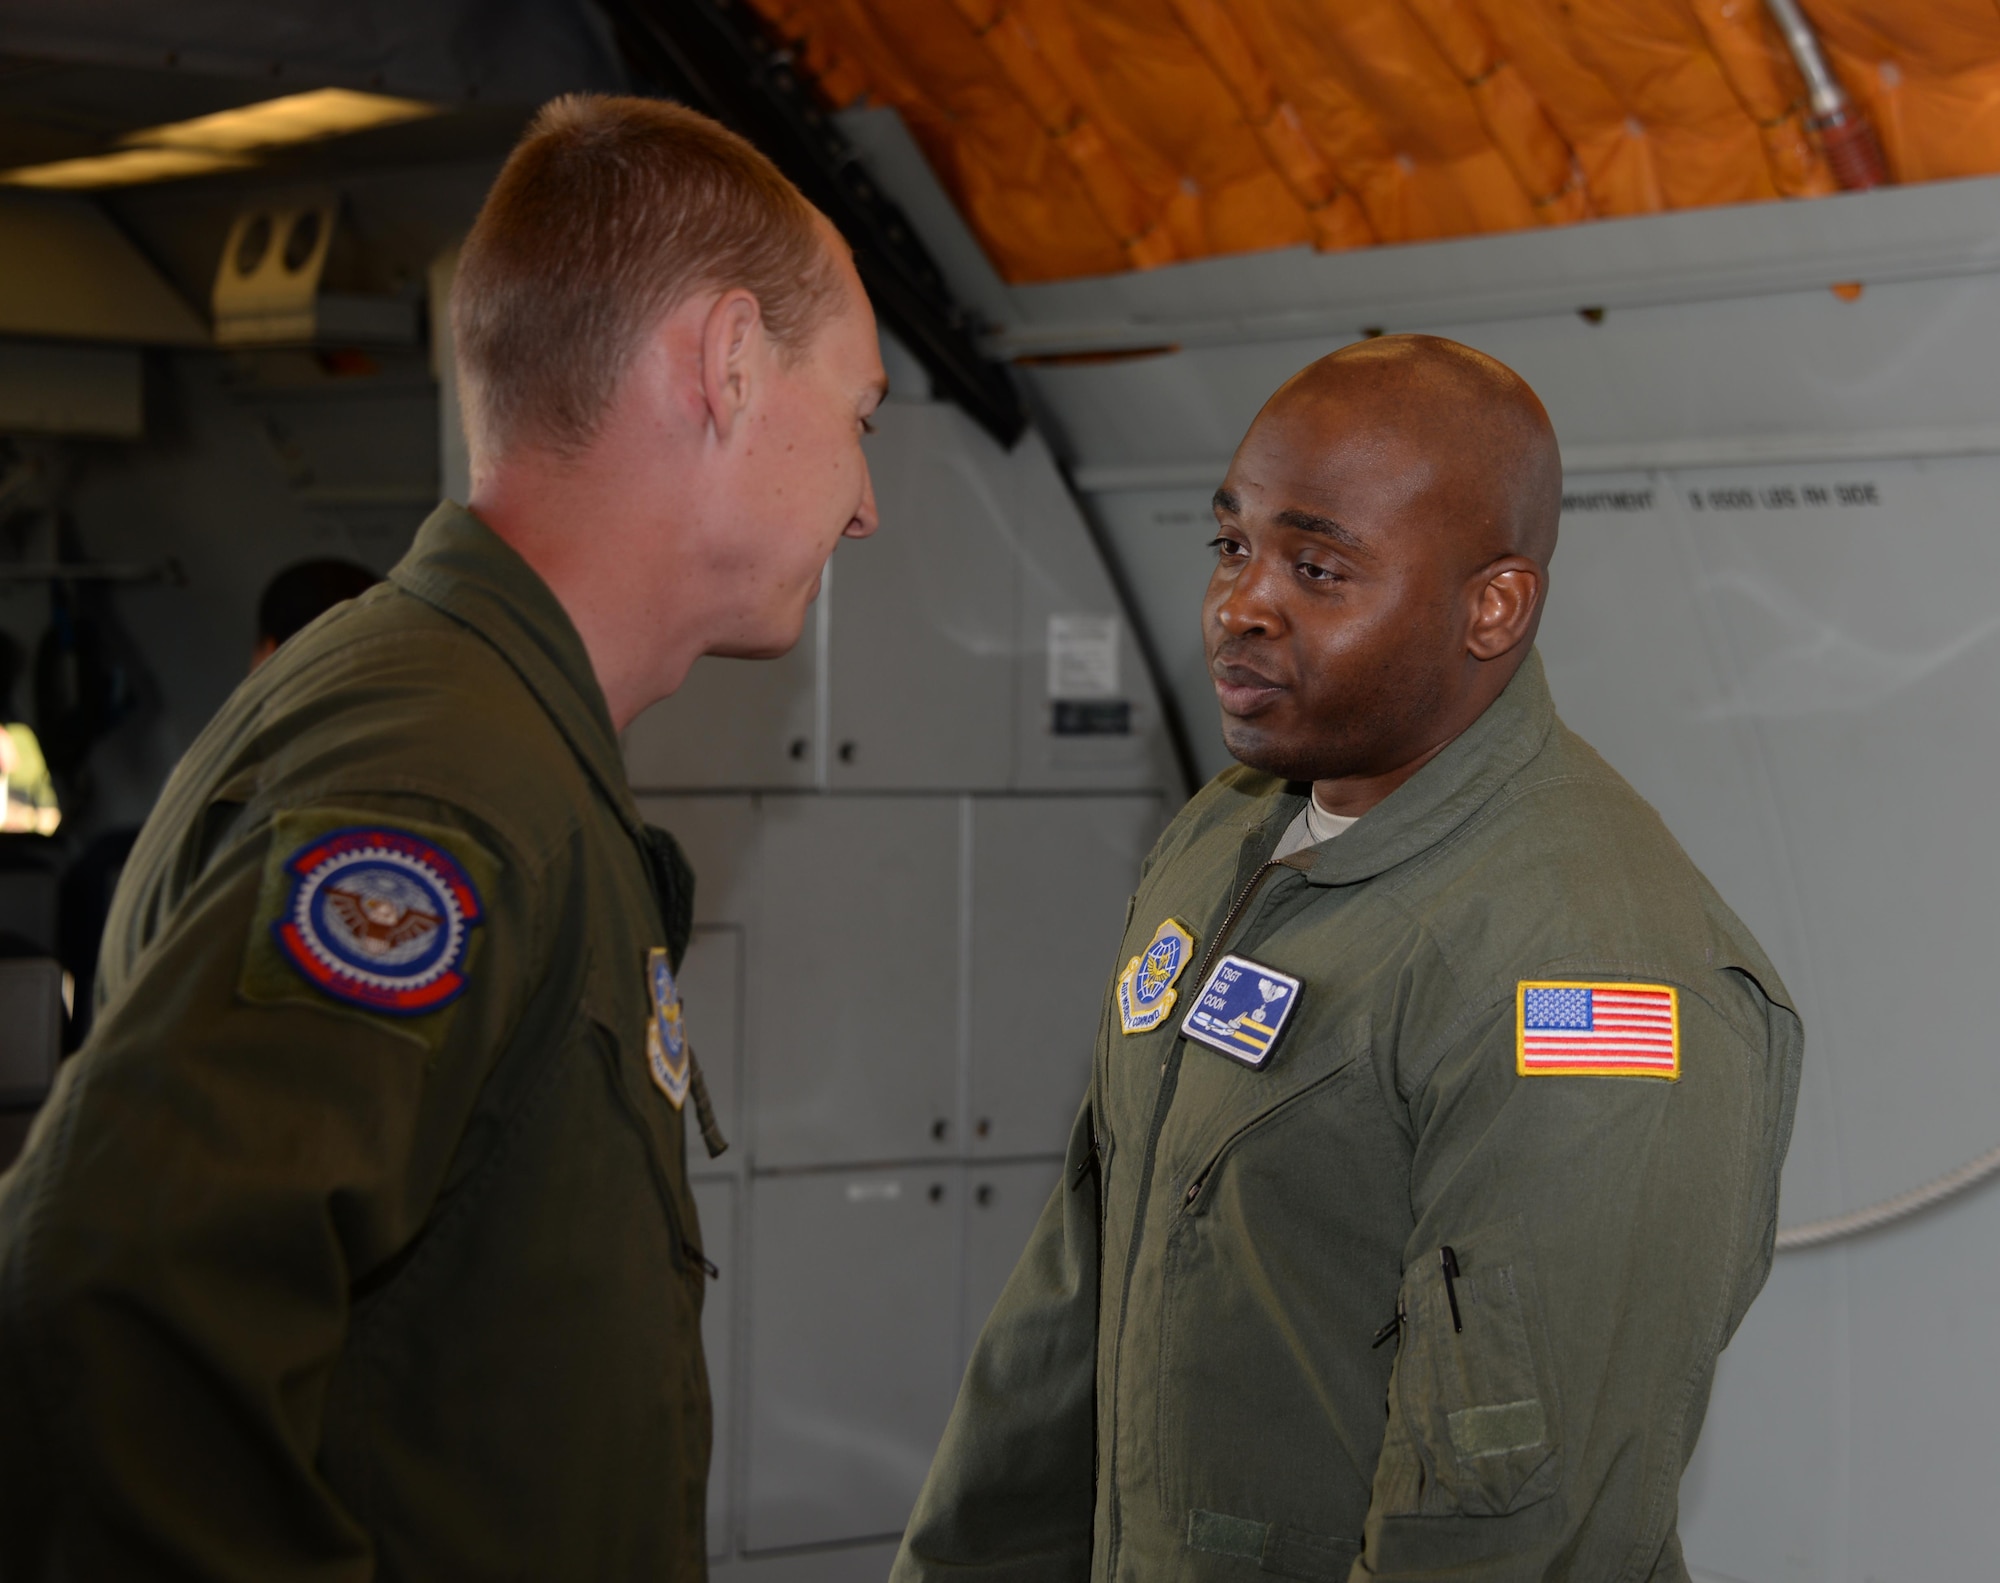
865,520
1250,604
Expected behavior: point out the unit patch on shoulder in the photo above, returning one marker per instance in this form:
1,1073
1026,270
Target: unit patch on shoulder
379,918
1597,1030
1146,988
666,1030
1242,1009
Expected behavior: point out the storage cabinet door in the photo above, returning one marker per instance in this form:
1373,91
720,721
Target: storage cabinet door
925,613
1050,879
1005,1202
853,982
1063,576
741,724
853,1349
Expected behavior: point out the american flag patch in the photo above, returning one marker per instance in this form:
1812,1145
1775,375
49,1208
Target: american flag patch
1598,1030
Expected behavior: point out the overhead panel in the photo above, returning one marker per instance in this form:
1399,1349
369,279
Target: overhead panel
1088,137
68,273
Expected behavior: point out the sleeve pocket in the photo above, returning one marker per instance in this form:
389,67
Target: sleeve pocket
1476,1399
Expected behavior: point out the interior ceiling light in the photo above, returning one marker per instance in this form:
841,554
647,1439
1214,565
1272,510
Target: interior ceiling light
226,140
296,118
123,169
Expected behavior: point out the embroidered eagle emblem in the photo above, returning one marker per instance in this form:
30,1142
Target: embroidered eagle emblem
379,917
378,924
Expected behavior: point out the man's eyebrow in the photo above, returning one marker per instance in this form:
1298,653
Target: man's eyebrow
1312,522
1301,520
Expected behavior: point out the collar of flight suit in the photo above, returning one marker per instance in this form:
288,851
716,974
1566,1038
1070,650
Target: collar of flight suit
1446,792
462,567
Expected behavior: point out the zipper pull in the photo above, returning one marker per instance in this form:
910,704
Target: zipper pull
704,1109
1393,1327
1449,1261
1092,1161
708,1269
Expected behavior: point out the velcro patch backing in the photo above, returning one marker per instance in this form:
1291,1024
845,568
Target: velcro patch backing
1493,1431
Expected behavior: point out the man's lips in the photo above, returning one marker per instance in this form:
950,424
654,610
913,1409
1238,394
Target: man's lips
1241,690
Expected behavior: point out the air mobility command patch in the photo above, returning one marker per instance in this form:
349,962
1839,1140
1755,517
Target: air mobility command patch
367,914
666,1030
1146,988
1242,1009
1597,1030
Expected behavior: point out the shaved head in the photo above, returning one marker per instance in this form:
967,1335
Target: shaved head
1385,535
1465,422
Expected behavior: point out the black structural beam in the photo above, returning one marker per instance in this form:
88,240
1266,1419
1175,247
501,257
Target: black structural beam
715,56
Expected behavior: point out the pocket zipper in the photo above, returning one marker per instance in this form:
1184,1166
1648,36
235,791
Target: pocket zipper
1194,1188
708,1267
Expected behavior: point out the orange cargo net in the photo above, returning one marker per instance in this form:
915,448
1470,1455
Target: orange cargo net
1083,137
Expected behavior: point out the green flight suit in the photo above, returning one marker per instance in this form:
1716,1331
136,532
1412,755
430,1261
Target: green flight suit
1230,1351
294,1287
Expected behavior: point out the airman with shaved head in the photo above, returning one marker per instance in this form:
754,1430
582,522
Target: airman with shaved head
1404,495
1431,1150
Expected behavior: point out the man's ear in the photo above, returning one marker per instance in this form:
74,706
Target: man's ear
1510,597
731,336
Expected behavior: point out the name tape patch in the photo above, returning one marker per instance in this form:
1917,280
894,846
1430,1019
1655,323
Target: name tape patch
379,918
1146,990
1242,1009
1597,1030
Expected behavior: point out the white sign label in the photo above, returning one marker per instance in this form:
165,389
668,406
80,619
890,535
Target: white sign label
1083,656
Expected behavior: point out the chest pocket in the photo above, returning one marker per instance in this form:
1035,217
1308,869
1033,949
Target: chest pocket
1223,1108
1279,1236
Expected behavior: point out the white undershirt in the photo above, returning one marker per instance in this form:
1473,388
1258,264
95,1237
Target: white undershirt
1313,826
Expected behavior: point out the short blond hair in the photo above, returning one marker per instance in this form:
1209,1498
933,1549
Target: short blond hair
609,214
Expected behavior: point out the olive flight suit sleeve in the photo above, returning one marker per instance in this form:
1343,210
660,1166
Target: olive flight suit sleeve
1009,1497
1606,1234
234,1154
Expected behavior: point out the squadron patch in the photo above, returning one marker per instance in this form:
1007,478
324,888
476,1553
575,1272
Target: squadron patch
1146,988
379,918
1597,1030
666,1030
1242,1009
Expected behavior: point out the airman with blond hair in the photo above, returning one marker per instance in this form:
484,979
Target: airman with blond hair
357,1240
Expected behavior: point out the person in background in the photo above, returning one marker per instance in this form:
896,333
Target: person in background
299,595
1432,1149
357,1240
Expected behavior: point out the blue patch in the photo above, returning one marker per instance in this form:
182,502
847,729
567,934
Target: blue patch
1146,987
1242,1009
666,1030
379,918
